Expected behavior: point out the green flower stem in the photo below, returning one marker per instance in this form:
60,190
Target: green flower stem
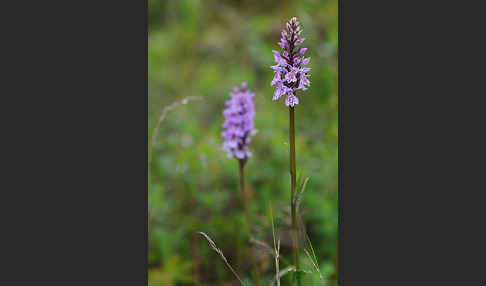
243,193
247,217
293,183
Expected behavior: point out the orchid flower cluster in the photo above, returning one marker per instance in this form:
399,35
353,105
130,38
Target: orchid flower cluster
290,73
238,123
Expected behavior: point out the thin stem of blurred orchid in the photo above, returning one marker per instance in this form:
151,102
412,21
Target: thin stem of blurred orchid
244,194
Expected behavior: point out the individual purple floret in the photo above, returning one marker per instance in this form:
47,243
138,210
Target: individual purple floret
290,73
238,123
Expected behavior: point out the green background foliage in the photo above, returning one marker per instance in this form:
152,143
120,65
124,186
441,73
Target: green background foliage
204,48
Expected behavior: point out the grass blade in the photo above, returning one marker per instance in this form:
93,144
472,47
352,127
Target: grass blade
215,248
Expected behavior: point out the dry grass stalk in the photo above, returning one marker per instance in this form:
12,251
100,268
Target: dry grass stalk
168,108
215,248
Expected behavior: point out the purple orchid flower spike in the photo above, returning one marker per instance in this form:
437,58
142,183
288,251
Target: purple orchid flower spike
290,73
238,125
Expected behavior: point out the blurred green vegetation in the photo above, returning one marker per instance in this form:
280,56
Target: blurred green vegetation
204,48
